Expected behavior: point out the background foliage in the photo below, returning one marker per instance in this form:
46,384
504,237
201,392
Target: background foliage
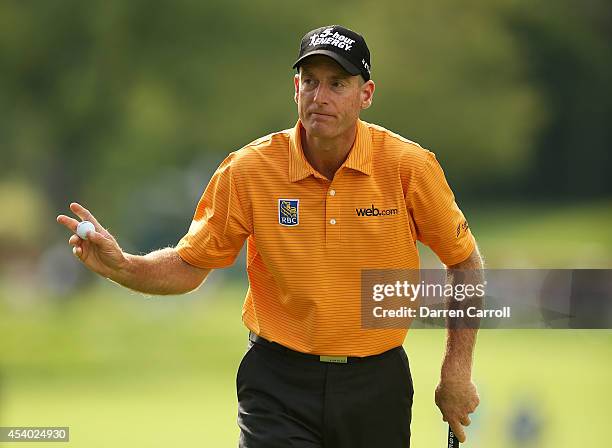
129,106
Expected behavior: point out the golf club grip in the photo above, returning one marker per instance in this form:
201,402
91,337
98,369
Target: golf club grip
453,442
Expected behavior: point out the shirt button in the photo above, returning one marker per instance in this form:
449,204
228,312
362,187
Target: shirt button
332,192
332,221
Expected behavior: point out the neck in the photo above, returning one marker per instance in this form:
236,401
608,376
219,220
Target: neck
327,155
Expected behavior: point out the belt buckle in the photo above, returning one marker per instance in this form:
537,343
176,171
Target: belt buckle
334,359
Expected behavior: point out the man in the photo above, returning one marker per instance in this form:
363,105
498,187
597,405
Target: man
317,204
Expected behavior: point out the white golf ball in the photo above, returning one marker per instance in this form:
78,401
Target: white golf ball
83,227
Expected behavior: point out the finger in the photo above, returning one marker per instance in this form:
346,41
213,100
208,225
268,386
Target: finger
77,251
74,240
84,214
476,402
465,420
96,238
69,222
457,430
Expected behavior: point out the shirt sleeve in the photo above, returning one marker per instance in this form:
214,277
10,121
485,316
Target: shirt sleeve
439,223
220,223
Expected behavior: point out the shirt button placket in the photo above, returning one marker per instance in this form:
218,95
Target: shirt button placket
332,208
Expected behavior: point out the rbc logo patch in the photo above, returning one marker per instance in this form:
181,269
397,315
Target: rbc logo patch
288,212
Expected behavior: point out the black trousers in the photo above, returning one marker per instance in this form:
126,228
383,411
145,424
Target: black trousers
288,399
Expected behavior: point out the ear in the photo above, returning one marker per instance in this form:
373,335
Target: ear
296,82
367,93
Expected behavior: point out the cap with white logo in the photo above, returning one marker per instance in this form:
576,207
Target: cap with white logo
345,46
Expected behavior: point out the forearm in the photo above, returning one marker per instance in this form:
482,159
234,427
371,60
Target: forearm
461,334
162,272
458,358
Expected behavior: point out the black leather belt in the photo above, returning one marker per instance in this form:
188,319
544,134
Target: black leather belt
256,339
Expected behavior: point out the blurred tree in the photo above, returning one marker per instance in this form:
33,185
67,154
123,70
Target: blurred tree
569,49
104,101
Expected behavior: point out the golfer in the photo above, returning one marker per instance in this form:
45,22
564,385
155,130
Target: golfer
317,204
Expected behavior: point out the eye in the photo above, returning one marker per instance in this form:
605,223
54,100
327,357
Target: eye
308,83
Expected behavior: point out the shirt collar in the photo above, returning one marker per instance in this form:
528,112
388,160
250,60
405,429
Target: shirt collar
359,158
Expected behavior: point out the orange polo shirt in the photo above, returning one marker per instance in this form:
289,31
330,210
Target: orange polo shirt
309,238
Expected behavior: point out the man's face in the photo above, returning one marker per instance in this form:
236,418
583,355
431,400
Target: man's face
329,99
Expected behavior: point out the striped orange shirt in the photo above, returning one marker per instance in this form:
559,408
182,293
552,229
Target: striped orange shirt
309,238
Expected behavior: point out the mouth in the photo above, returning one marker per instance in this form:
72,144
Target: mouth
320,114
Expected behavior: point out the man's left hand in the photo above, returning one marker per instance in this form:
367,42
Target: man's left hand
457,399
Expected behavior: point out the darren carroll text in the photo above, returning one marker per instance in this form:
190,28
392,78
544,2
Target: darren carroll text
424,311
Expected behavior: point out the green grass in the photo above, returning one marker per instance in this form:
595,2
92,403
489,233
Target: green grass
122,370
541,235
548,236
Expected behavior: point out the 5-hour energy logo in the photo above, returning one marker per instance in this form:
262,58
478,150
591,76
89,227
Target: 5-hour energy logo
329,37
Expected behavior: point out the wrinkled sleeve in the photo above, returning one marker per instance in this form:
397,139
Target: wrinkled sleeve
438,221
220,224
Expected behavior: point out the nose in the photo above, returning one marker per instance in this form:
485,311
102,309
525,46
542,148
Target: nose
321,94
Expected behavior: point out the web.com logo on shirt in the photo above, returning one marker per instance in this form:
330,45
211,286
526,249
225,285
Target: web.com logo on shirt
373,211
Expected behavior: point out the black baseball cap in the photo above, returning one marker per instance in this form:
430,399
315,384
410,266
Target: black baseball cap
344,46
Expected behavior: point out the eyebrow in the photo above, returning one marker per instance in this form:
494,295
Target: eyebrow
340,76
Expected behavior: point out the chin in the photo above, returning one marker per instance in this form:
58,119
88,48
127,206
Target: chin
321,130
